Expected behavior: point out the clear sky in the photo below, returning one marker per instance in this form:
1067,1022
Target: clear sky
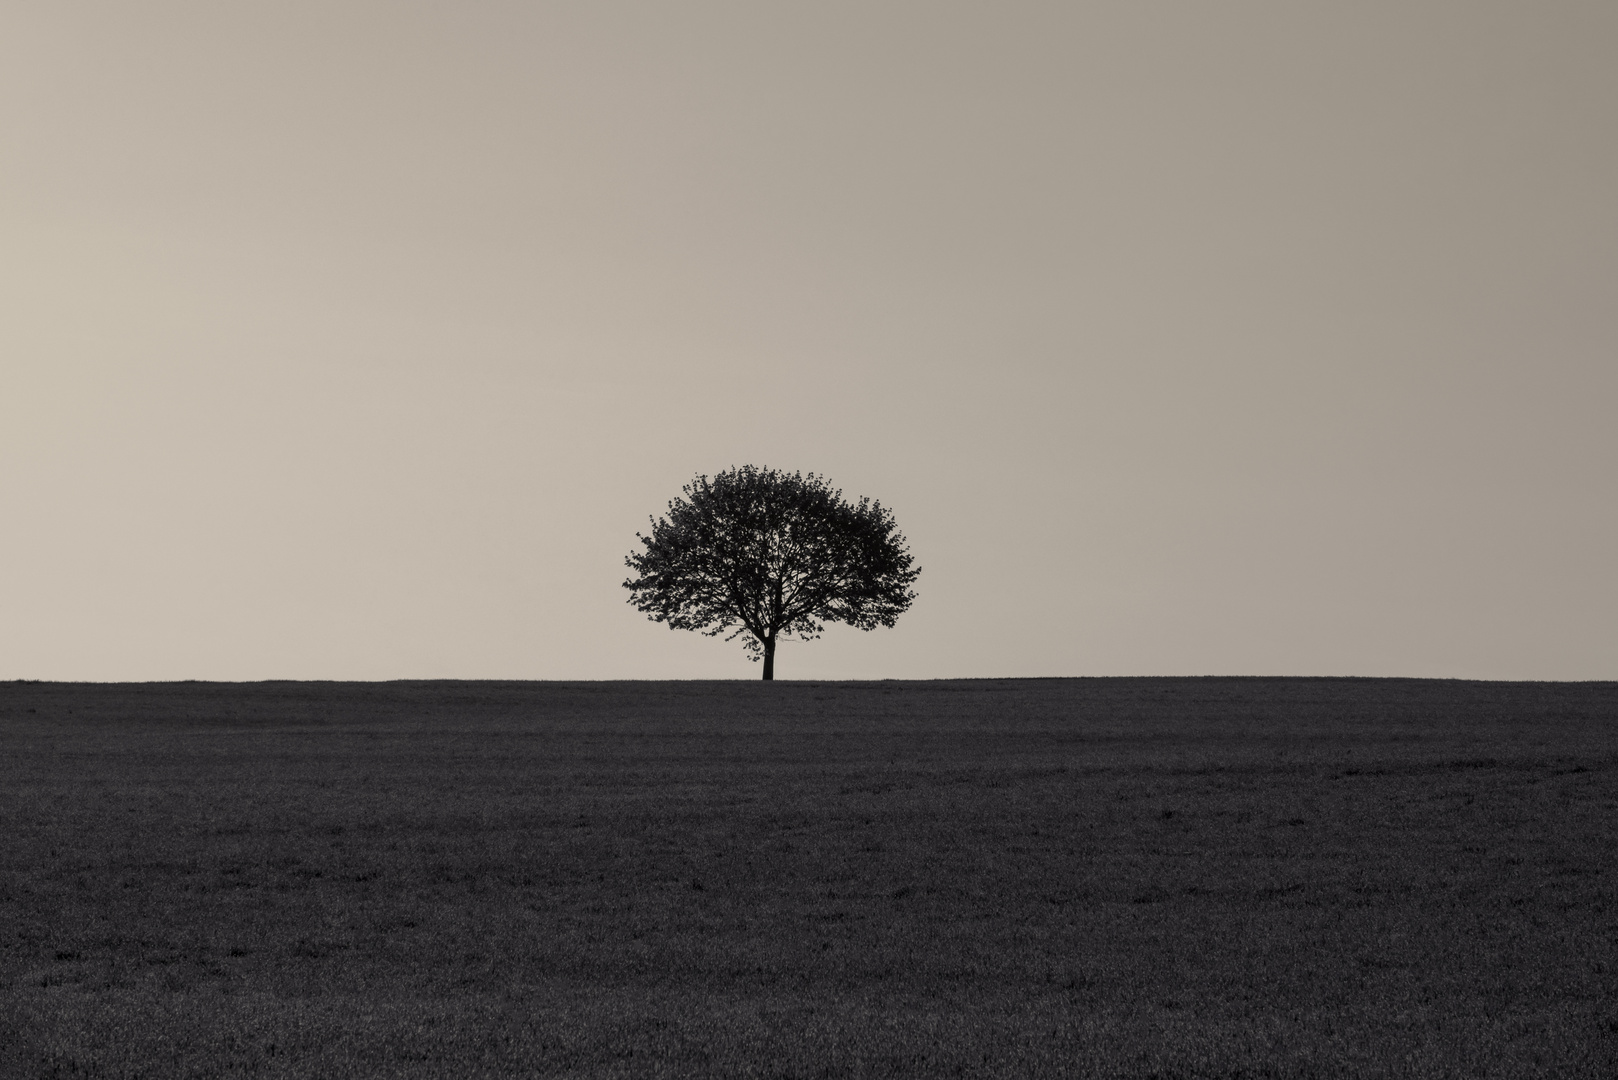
356,339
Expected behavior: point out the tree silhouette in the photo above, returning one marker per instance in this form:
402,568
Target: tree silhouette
765,553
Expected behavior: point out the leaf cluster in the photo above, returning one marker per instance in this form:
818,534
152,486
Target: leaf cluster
760,552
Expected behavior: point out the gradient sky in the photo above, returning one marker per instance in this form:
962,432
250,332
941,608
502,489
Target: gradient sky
352,339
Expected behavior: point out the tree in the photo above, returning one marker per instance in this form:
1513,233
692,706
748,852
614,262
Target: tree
764,553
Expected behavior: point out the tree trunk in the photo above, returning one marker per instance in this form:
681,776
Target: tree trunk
769,658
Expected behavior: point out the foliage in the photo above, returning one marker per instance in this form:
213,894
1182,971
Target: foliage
762,553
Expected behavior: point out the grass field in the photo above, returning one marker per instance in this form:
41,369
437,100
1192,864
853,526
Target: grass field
1119,877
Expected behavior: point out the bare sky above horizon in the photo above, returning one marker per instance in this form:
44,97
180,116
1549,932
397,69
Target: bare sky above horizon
356,339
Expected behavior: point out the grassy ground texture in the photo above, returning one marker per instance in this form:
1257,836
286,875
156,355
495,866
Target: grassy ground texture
1109,877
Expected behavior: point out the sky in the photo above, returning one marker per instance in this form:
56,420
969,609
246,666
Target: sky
357,340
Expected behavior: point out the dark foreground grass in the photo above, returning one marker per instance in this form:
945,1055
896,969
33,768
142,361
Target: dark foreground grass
1154,877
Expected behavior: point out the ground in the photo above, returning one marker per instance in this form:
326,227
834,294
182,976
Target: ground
1107,877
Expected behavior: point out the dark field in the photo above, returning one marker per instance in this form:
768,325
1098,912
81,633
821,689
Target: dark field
1120,877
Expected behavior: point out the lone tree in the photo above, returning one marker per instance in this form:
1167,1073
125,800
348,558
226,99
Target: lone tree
764,553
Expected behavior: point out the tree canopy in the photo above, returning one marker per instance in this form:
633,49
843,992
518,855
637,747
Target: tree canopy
761,553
